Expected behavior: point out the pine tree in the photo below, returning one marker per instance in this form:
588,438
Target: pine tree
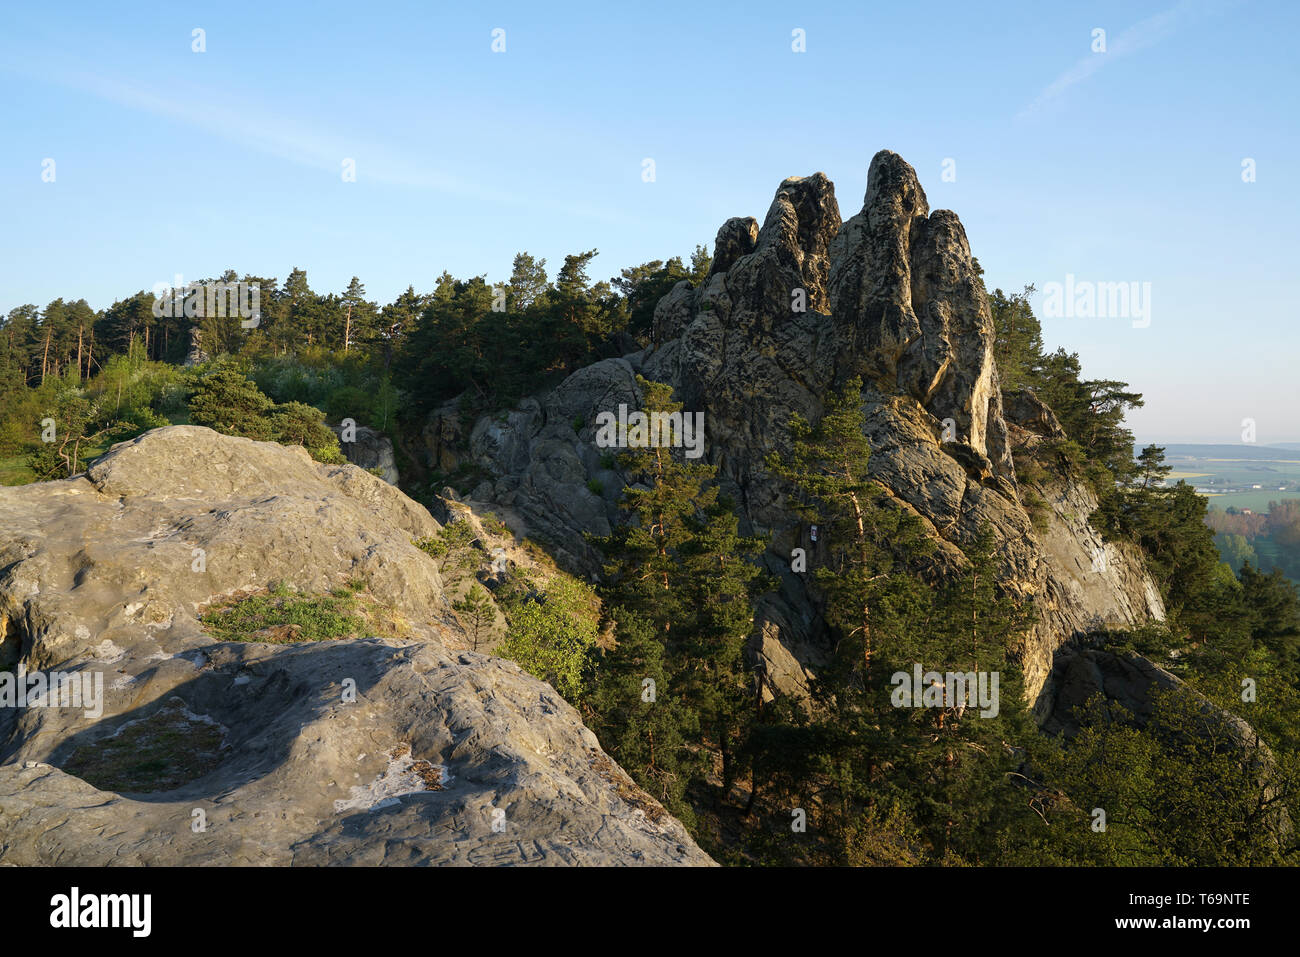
952,769
229,402
400,316
641,721
528,282
720,581
701,262
578,316
643,286
476,613
295,322
1151,467
680,565
19,332
644,573
1017,337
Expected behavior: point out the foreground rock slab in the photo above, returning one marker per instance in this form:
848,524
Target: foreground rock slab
401,748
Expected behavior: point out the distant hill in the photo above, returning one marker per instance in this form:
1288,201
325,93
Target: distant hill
1289,450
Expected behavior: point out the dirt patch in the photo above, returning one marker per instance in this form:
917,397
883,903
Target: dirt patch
161,752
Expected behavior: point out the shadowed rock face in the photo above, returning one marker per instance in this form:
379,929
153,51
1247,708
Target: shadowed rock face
379,750
368,448
789,311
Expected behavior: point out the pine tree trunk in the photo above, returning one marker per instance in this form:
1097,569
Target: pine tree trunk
753,766
866,607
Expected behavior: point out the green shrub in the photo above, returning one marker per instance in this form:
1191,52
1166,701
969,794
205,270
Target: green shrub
172,397
229,402
351,402
281,616
226,401
143,419
296,423
12,437
494,525
130,383
80,428
453,543
309,377
551,637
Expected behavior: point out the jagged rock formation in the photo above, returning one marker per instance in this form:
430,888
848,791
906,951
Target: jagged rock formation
442,438
195,356
368,448
398,748
790,310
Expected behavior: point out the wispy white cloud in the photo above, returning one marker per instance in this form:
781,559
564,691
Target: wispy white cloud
1140,36
252,128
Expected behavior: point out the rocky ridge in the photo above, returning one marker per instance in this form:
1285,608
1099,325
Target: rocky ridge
790,309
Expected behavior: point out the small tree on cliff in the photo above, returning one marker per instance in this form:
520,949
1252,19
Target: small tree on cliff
476,613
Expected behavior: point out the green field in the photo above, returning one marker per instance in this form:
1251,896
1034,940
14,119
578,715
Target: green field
1255,501
1226,475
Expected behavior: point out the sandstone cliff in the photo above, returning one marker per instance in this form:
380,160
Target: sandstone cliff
789,310
402,747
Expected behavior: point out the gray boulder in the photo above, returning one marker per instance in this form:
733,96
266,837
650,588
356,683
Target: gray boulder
369,448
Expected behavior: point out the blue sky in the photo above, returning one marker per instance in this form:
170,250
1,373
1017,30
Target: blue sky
1123,166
